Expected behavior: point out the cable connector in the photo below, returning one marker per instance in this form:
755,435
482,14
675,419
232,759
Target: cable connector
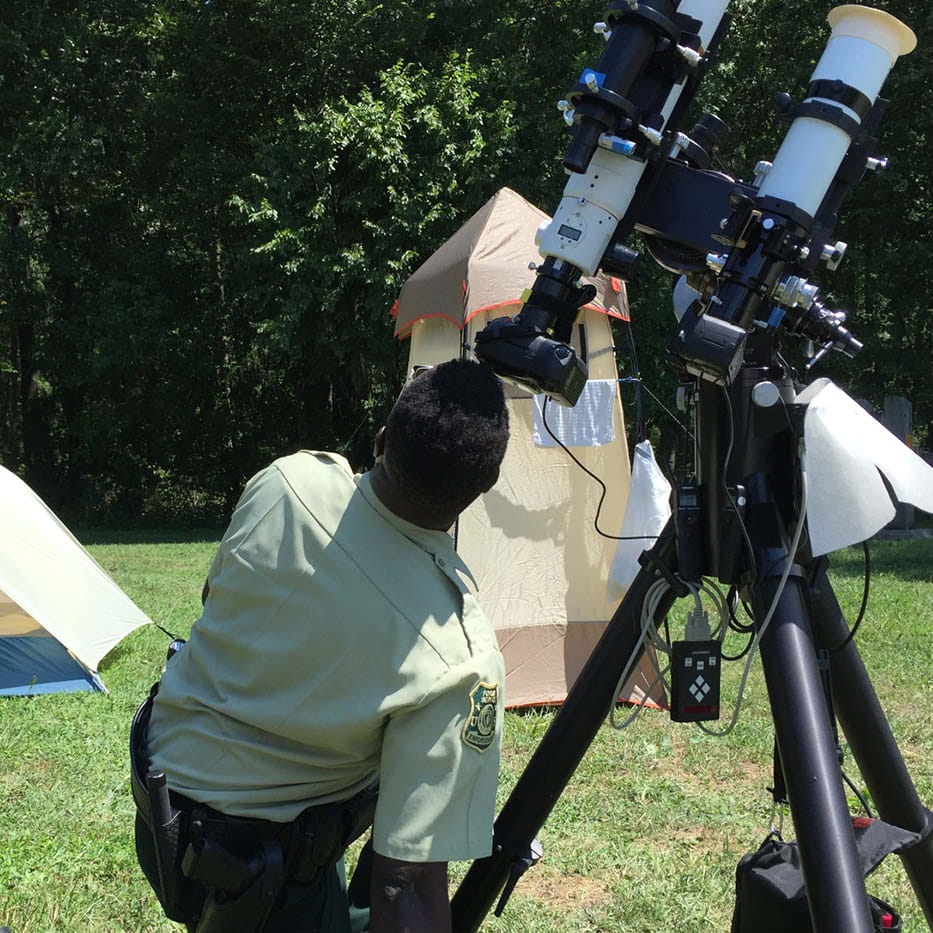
697,628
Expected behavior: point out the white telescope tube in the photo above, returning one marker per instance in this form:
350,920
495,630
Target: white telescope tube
861,51
594,203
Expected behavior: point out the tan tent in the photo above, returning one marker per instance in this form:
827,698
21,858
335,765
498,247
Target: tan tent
531,543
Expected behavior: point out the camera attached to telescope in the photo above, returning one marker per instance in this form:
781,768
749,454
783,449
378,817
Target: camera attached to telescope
748,248
533,349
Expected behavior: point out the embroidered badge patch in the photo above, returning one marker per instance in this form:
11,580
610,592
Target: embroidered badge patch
480,728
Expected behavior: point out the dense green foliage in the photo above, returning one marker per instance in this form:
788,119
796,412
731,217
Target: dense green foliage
209,206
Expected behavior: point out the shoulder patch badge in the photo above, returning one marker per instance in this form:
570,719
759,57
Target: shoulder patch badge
480,728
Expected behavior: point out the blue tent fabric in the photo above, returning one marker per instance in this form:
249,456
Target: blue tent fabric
37,663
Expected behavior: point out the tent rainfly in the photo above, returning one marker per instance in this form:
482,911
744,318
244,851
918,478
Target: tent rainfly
539,562
60,613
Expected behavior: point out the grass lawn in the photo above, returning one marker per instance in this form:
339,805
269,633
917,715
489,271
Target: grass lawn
646,837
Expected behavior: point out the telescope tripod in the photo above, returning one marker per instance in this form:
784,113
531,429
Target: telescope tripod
748,470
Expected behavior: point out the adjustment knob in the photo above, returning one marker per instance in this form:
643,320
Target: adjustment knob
765,394
832,254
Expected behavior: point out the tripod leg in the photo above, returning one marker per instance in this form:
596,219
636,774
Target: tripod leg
872,743
835,886
561,750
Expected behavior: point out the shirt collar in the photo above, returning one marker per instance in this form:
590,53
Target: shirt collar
427,538
439,544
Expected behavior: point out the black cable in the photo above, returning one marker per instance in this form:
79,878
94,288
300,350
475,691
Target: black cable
742,627
592,475
725,486
167,632
859,795
861,612
732,599
743,652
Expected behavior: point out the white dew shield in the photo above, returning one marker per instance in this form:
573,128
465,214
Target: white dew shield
861,51
594,203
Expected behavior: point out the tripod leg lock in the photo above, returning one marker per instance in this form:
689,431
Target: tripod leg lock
650,562
520,865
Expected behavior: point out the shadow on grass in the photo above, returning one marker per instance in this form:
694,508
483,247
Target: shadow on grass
102,536
910,559
113,656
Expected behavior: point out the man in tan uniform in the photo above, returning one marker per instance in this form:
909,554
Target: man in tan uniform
340,643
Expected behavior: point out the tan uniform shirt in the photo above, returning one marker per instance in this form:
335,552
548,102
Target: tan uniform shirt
338,642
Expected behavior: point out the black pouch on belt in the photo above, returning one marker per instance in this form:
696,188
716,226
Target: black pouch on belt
322,833
241,867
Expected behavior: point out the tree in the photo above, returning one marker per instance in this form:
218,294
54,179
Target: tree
209,207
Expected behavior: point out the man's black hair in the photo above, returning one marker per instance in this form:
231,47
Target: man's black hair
446,435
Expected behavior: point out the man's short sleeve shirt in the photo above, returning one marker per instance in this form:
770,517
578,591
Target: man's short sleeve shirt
338,642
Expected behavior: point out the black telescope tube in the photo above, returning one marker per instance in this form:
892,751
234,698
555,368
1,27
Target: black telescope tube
631,45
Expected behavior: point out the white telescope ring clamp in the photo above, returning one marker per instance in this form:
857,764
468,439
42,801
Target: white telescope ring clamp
863,47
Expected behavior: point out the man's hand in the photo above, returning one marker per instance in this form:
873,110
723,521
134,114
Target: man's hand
409,897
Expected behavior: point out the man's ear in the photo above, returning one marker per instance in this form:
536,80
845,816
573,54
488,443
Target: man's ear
379,444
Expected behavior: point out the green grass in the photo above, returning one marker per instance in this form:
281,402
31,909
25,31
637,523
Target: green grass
646,836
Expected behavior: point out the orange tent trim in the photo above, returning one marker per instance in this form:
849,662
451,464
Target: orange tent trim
405,334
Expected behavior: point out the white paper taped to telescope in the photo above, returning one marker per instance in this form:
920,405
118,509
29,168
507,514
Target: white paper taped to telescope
847,451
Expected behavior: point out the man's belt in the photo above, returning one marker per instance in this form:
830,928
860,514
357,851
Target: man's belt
236,855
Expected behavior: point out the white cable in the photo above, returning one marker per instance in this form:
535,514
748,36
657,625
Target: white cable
661,678
649,606
650,637
774,602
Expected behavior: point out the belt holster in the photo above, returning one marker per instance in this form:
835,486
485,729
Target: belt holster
167,824
321,834
224,872
241,885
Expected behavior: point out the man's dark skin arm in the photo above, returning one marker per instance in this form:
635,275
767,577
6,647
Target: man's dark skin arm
409,897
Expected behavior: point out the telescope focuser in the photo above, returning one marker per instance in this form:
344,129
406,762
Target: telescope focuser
533,350
799,311
759,240
824,327
649,44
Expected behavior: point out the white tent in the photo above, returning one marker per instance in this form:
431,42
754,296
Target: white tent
531,543
60,613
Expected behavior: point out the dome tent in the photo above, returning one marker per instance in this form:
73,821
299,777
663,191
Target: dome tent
60,612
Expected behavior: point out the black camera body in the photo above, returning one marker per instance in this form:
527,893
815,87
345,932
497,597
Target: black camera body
522,354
